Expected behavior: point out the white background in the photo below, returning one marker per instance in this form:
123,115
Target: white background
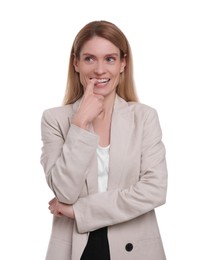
167,39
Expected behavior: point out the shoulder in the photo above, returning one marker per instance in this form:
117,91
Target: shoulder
57,114
144,114
57,111
56,120
139,109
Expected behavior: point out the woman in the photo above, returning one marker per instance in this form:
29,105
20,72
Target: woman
103,156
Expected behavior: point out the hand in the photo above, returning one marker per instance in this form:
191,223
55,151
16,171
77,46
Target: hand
90,107
60,209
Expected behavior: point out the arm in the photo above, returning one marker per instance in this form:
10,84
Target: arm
65,159
120,205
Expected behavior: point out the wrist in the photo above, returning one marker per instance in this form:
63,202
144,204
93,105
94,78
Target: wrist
80,123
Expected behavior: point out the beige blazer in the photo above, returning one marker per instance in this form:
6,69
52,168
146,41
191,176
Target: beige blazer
136,186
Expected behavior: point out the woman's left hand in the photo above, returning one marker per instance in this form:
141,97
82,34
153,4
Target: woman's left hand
60,209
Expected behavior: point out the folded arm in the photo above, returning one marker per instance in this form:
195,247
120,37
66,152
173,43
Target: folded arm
120,205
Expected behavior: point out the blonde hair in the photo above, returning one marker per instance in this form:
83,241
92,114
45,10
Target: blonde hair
109,31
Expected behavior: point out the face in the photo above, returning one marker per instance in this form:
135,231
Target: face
100,59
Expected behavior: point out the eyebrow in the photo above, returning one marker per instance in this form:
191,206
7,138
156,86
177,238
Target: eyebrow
89,54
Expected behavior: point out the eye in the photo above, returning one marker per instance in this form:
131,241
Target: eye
89,59
110,59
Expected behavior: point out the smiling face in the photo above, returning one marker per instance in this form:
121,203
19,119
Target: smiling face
100,59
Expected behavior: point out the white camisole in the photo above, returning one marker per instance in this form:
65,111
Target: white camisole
103,167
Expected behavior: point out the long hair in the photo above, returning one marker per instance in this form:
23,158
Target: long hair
109,31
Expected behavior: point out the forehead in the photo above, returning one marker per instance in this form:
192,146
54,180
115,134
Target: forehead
99,46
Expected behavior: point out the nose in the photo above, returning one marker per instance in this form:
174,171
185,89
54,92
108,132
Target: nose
99,67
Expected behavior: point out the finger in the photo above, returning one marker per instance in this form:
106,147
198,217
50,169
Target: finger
51,201
90,86
51,207
56,213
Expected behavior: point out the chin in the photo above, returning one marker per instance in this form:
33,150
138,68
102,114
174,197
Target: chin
104,93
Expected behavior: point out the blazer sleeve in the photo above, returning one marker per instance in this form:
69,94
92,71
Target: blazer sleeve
65,159
120,205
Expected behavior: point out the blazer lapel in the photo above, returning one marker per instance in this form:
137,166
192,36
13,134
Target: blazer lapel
121,129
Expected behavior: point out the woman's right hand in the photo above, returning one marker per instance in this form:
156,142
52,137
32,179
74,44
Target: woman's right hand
90,107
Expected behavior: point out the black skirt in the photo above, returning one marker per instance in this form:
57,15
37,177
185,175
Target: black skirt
97,247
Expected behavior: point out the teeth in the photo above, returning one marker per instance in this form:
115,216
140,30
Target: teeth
102,80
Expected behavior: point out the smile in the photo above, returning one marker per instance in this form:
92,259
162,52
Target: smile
105,80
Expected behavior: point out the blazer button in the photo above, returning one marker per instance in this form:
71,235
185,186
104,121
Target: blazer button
129,247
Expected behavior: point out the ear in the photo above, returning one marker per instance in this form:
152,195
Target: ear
76,63
123,64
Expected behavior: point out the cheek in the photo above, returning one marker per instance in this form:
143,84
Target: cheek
117,79
117,70
117,75
83,72
83,79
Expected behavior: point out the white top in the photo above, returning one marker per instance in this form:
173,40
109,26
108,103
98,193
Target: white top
103,167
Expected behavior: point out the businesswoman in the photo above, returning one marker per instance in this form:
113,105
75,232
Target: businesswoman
103,157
